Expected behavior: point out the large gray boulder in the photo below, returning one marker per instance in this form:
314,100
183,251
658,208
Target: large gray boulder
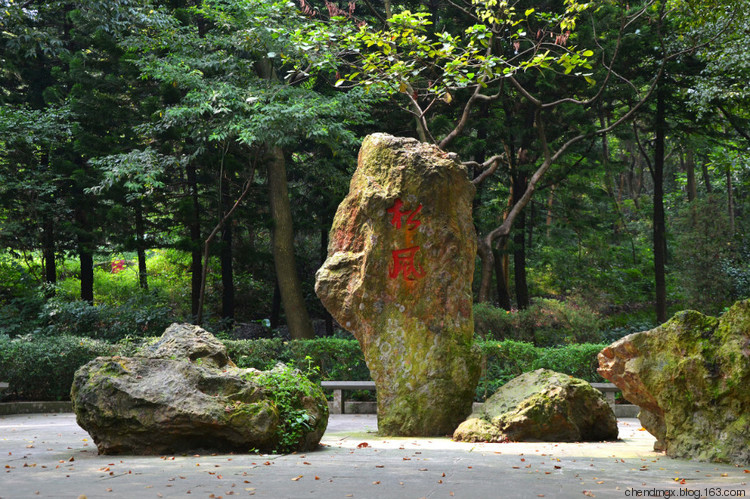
184,394
690,377
398,276
542,405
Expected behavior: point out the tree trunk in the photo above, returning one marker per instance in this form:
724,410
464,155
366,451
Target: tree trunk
519,263
227,273
196,267
659,223
85,254
140,242
501,273
519,247
692,190
275,307
290,287
487,260
730,200
706,178
550,205
48,251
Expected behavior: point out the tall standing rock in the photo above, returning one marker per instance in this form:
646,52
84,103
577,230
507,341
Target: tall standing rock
398,276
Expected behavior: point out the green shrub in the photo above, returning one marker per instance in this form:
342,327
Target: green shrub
501,362
141,315
336,359
288,387
553,322
42,368
495,323
262,354
324,358
546,322
577,360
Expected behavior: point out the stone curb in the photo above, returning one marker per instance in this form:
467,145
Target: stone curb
353,407
8,408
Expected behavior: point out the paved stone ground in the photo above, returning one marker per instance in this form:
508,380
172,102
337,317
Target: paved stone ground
48,455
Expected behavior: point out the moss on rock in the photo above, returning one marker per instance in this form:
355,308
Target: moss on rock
690,378
412,317
542,405
166,400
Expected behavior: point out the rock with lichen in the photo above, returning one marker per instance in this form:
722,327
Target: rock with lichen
398,276
690,377
184,394
542,405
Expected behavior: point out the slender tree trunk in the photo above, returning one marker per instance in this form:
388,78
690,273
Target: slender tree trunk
290,287
706,178
275,307
227,273
196,267
140,242
85,254
659,222
730,200
550,204
530,227
48,251
519,263
501,273
487,260
692,190
519,247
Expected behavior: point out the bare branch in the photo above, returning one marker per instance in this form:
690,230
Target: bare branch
643,150
734,122
375,12
489,167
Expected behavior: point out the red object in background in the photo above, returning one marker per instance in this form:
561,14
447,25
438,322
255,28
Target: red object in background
117,266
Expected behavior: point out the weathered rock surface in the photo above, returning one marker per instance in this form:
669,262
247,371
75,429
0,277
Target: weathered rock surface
690,377
542,405
398,276
184,393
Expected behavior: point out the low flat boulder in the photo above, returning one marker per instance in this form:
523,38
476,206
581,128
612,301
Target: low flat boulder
690,377
542,405
184,394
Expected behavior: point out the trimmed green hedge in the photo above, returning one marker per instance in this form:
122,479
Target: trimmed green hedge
42,368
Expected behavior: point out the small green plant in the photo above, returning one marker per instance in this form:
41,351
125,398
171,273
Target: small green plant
287,386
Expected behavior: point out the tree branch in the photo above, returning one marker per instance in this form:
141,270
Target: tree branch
733,121
488,166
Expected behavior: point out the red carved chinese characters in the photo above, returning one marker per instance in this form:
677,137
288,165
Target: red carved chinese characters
404,259
398,214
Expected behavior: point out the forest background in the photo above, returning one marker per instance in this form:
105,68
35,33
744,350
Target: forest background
165,160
